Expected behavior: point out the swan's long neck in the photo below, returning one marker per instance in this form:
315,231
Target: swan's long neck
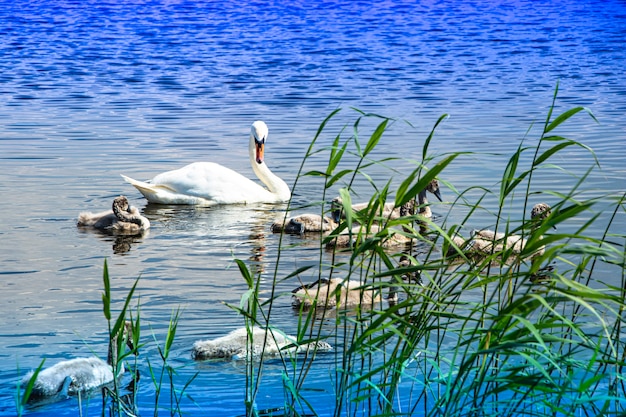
125,213
113,356
274,184
120,209
422,201
124,337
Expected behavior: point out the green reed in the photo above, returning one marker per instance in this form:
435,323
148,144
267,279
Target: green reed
542,336
158,373
162,375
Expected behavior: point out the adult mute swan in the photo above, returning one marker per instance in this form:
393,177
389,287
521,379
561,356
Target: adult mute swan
121,219
77,375
486,242
235,345
208,183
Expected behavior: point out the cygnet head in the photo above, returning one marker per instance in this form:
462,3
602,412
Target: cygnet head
120,203
433,187
540,211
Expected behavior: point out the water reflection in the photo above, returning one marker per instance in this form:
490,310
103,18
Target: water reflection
119,243
217,228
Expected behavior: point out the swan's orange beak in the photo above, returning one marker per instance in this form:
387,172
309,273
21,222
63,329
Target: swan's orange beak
260,147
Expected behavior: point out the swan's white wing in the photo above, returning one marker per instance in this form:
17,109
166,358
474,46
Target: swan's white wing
202,183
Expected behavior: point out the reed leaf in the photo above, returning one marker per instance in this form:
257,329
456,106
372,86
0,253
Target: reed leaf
106,295
24,397
375,137
565,116
245,273
510,178
431,134
430,175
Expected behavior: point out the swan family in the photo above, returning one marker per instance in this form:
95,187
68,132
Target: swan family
77,375
209,184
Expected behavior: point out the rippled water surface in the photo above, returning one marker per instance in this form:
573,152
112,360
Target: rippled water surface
89,90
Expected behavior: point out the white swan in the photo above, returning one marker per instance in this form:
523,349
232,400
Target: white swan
304,223
77,375
486,242
208,183
235,345
121,219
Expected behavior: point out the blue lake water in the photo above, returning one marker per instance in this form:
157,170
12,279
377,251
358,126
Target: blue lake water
90,90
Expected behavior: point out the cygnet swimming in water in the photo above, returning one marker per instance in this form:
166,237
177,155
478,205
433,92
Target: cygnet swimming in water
235,345
486,242
338,292
390,211
393,237
330,293
78,375
121,219
305,223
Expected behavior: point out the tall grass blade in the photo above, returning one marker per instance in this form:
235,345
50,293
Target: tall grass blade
106,295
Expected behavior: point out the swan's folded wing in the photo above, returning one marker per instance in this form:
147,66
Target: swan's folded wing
158,193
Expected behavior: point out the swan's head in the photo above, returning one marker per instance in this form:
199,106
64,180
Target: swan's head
259,133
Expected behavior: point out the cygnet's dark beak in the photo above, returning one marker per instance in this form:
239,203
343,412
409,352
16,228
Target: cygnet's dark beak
438,195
